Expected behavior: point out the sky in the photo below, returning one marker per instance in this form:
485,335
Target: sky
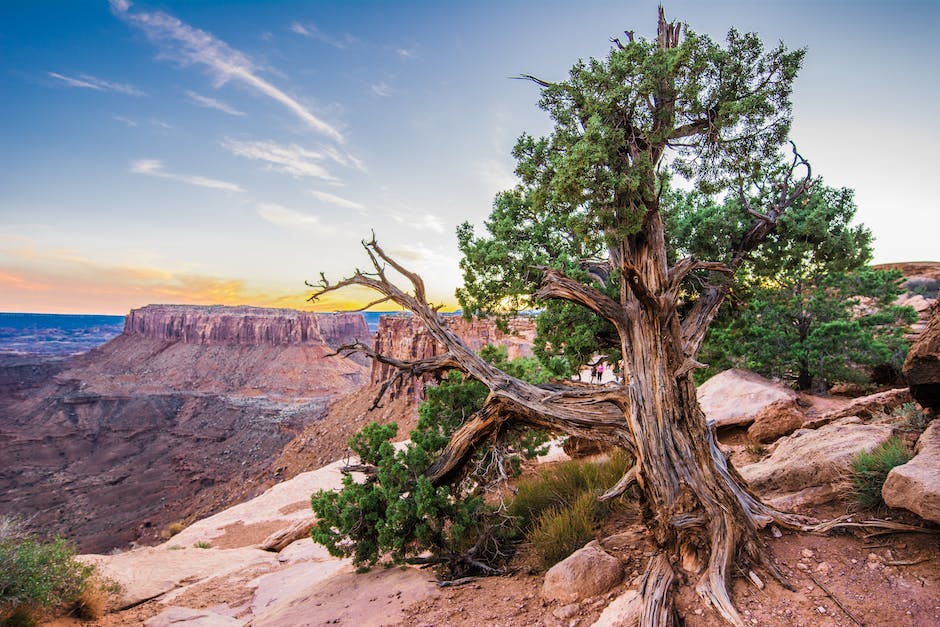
206,152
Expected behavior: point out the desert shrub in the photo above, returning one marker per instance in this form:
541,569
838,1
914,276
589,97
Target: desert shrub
558,509
397,515
202,544
173,528
38,578
559,531
869,470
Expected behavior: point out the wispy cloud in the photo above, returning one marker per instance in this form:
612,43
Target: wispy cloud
381,89
194,46
406,53
290,159
155,167
333,199
420,221
290,219
212,103
311,31
125,121
86,81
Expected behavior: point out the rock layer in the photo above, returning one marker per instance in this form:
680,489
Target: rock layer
405,337
170,419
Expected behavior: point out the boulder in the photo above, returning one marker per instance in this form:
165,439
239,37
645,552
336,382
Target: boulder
813,459
775,421
864,407
915,486
587,572
922,366
624,611
735,397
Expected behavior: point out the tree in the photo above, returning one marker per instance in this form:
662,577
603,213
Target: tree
719,116
806,307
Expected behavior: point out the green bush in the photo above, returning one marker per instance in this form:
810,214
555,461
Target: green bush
559,531
869,470
558,509
38,579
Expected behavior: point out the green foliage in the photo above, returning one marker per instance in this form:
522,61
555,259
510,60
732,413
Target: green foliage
38,578
869,470
559,531
558,510
397,513
586,187
202,544
815,329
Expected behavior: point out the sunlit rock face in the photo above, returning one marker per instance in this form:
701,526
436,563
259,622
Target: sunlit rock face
174,417
405,337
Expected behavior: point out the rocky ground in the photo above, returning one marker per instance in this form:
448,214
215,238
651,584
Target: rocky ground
215,573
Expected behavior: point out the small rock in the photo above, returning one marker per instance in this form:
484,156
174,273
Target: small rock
821,609
802,566
776,532
565,611
587,572
874,557
822,567
807,553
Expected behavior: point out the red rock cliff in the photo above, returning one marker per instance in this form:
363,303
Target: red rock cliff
405,337
244,326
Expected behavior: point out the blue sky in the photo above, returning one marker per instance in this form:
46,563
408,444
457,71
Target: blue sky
224,152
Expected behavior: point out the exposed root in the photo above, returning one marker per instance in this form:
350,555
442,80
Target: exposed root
713,586
656,592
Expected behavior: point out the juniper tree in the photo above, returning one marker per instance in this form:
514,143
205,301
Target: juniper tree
719,115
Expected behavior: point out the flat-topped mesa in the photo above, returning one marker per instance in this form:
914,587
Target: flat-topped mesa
218,325
405,337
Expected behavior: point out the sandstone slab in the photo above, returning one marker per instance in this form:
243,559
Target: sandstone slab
150,572
814,459
915,486
775,421
191,618
624,611
735,397
587,572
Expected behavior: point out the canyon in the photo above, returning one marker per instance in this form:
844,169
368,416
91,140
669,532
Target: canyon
154,426
192,409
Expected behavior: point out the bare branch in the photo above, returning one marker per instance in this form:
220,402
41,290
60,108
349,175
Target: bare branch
557,285
706,307
621,486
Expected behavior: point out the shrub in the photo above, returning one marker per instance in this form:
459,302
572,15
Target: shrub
869,470
202,544
558,509
38,578
559,531
397,515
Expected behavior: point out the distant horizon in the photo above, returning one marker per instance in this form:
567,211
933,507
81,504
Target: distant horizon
206,152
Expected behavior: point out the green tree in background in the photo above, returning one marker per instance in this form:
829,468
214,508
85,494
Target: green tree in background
806,307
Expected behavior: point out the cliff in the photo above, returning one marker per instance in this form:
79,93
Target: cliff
244,326
160,422
405,337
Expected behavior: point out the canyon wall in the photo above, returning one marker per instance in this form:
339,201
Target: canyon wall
405,337
159,423
244,326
